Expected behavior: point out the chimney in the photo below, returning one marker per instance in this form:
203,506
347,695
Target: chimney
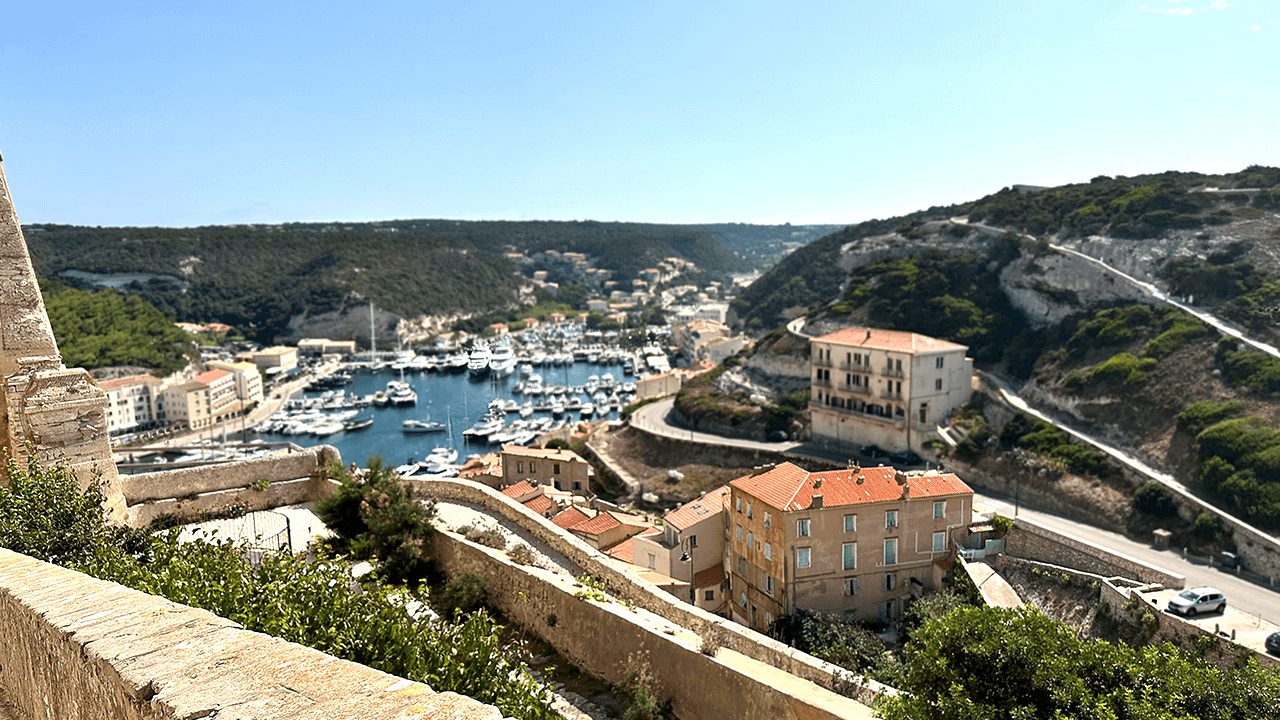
859,479
817,483
815,502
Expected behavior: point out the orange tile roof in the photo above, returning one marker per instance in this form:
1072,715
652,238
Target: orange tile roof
597,524
892,340
788,488
628,519
211,376
625,550
539,504
697,510
131,380
518,490
570,518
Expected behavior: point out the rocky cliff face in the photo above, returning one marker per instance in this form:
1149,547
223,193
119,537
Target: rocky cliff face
1048,288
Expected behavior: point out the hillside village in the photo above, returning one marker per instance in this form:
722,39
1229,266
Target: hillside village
867,513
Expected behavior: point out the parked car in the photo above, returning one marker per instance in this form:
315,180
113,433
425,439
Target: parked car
776,436
873,452
1273,643
1197,599
907,457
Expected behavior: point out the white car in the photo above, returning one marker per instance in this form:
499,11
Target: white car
1197,599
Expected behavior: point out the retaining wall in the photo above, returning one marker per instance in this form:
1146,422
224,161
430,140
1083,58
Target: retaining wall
614,640
619,581
188,493
78,647
1033,541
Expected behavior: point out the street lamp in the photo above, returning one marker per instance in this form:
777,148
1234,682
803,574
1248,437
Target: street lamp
687,546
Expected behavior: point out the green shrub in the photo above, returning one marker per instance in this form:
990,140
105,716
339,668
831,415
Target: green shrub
1201,414
1208,527
1154,499
1124,369
464,594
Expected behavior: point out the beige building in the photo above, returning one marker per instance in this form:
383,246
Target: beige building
690,548
131,402
248,380
884,387
207,399
858,541
312,347
280,356
561,469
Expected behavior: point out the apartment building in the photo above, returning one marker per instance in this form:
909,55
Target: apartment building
690,548
131,402
858,541
561,469
201,402
247,378
884,387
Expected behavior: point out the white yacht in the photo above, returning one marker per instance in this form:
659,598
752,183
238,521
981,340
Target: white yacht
502,362
478,361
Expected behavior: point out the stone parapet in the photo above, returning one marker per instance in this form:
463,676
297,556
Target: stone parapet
77,647
1032,541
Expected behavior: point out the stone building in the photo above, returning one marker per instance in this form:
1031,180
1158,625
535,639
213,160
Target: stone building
561,469
884,387
58,413
131,402
858,541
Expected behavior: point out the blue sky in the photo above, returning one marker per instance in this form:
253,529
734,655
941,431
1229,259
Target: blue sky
191,113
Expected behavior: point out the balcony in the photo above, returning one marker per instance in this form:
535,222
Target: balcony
889,395
890,372
822,362
821,381
855,389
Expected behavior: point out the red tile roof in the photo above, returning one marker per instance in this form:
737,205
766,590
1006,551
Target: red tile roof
540,504
212,376
131,380
892,340
597,524
518,490
787,487
697,510
570,517
542,453
625,550
713,575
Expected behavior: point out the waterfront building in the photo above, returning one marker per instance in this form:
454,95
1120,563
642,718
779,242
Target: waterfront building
131,402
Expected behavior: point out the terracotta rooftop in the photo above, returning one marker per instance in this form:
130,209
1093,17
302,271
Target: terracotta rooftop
713,575
131,380
539,504
518,490
570,517
697,510
625,550
892,340
598,524
211,376
788,487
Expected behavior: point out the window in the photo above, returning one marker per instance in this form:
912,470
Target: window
749,513
938,362
891,551
852,586
940,508
851,523
768,619
751,539
768,520
577,485
924,412
802,528
520,467
890,581
709,595
939,541
737,504
768,551
693,541
742,566
653,561
556,468
937,384
849,553
802,557
767,581
738,532
742,600
533,467
891,519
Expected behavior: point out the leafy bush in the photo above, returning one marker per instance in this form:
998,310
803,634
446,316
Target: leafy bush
1154,499
1201,414
1123,369
463,595
312,603
829,637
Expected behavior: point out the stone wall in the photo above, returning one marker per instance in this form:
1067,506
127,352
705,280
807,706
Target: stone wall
612,640
80,648
189,493
622,584
1033,541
